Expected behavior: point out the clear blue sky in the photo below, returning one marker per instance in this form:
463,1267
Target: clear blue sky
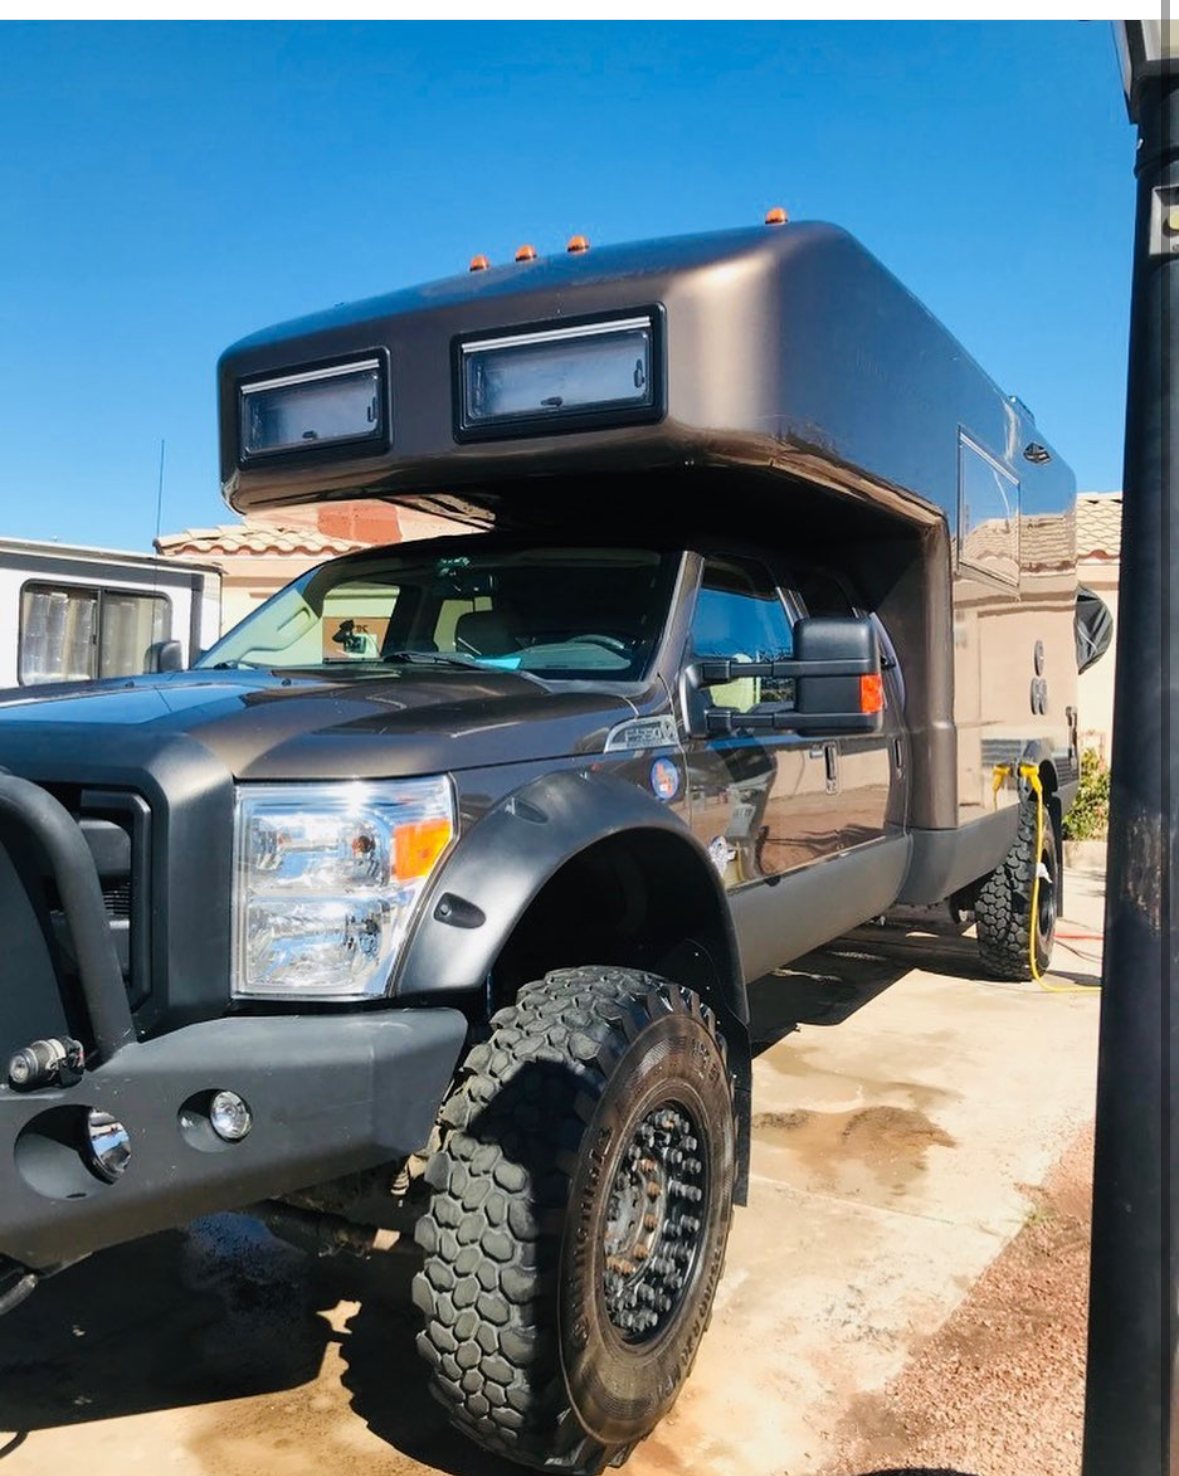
168,188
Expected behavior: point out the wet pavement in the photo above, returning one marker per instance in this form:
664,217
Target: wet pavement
905,1111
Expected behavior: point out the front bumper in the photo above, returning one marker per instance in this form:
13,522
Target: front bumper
328,1094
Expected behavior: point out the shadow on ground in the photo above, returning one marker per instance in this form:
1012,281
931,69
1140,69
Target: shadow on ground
214,1312
830,985
222,1311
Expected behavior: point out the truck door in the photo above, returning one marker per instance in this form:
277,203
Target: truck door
870,768
762,802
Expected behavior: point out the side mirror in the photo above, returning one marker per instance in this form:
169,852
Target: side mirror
164,656
836,670
839,683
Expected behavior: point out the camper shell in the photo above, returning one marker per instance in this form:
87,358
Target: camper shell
764,625
801,395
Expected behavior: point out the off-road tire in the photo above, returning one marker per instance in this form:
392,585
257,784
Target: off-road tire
529,1318
1003,912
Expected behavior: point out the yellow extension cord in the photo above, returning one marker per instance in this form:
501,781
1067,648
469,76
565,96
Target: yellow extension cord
1032,774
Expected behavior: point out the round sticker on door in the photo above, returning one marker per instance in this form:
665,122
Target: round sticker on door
665,779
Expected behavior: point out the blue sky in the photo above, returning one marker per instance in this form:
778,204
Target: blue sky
169,188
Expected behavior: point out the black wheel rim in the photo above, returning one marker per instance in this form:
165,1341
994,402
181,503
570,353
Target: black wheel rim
654,1227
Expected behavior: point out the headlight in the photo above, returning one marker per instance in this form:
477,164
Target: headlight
327,877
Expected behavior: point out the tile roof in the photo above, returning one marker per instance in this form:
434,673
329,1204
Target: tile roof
1099,525
256,539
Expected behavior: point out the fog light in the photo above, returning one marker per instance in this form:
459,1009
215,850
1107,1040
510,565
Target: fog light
108,1144
230,1116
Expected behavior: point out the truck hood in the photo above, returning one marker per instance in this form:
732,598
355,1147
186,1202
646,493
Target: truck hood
274,725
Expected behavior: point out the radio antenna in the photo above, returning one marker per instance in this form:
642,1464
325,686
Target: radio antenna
160,496
155,578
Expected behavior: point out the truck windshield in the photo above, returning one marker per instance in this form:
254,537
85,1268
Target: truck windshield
557,612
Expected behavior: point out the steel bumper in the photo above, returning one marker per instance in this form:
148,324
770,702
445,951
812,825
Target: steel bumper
327,1095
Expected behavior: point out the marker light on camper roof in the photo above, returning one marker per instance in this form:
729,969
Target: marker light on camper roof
316,407
527,383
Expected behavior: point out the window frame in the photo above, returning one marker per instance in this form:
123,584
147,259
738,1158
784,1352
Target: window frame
963,564
787,601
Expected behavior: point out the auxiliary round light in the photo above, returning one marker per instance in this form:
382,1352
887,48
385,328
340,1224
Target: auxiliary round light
230,1116
108,1145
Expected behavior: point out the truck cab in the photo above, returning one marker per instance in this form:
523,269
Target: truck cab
429,897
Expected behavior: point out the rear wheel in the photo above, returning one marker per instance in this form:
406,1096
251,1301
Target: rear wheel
581,1207
1008,923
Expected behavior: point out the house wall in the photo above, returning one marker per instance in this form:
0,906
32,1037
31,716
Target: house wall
1099,544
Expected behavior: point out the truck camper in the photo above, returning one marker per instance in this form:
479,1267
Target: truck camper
69,613
429,899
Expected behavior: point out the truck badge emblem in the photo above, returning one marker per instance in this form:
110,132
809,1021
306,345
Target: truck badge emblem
665,779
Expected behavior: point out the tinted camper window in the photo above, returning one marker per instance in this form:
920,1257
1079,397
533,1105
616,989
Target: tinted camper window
988,515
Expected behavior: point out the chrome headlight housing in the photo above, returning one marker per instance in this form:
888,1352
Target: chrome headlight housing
327,879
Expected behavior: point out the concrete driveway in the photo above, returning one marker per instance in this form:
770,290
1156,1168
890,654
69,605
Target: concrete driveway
898,1128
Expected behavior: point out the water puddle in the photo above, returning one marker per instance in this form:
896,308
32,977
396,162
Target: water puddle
871,1153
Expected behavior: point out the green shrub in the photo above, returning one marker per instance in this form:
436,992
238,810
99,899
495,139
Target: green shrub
1089,817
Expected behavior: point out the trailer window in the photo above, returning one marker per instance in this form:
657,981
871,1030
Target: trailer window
72,633
988,515
128,624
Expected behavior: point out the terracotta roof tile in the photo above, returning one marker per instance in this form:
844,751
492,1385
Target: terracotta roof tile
1099,525
257,539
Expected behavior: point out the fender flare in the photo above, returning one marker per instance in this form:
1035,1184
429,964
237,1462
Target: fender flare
500,867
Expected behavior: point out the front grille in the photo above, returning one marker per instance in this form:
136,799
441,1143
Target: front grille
117,897
116,826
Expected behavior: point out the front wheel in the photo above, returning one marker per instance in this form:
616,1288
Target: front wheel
581,1207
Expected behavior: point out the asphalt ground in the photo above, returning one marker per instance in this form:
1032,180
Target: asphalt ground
906,1113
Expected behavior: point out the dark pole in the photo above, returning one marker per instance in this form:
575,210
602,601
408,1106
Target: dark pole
1130,1424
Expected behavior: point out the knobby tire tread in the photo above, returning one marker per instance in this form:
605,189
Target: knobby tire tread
492,1235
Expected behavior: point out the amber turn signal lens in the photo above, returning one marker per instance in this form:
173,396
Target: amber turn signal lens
417,846
776,216
577,244
479,264
526,253
872,693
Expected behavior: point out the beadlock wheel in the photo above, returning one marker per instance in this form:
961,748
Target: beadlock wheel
582,1198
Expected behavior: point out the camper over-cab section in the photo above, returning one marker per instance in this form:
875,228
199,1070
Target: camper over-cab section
777,384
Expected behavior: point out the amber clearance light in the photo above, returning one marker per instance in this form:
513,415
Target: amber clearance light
872,693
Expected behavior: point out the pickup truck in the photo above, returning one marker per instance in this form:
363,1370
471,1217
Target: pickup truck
428,898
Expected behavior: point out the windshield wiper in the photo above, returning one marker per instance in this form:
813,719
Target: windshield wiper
431,658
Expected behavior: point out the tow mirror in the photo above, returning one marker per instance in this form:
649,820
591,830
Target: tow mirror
836,671
164,656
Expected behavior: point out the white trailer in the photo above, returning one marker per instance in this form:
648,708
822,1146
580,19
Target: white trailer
70,613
